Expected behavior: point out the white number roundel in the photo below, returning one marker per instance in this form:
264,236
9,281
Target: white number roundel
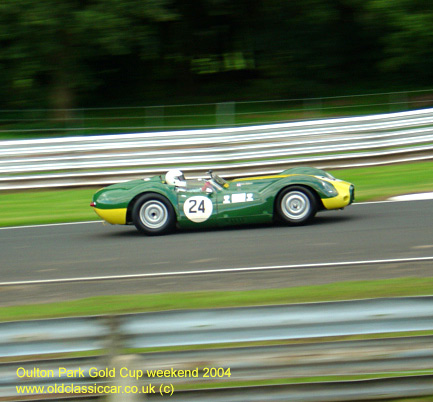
198,208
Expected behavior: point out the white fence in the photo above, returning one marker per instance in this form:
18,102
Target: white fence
261,149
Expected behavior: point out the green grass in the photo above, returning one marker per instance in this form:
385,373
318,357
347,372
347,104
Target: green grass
300,380
120,304
43,123
380,182
72,205
414,399
35,207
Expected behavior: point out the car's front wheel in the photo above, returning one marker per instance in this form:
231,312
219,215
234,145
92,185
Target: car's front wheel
296,205
153,215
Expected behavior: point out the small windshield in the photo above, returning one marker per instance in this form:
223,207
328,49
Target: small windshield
219,180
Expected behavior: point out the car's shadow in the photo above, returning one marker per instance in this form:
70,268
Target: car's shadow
319,221
330,220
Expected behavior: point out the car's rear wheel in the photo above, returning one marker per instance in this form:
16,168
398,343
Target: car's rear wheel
296,205
153,215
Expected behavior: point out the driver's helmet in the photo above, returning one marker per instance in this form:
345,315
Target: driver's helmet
175,177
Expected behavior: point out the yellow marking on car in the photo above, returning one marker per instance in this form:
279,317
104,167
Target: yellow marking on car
342,199
275,176
115,216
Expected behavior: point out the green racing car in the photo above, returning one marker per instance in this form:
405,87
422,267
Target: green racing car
159,204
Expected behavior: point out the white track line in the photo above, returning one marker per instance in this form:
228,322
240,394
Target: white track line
83,223
413,197
215,271
49,225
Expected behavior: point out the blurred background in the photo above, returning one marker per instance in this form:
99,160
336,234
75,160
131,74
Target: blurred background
76,67
72,54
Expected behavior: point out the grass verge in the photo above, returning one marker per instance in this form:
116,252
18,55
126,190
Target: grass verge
72,205
119,304
381,182
301,380
51,206
21,124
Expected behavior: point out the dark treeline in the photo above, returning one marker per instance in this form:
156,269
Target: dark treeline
69,53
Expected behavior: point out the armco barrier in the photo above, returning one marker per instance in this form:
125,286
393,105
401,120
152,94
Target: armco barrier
95,160
45,344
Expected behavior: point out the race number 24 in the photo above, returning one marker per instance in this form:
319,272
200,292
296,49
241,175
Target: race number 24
194,209
198,208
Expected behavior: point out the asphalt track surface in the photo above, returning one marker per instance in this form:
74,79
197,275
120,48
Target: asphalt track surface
398,234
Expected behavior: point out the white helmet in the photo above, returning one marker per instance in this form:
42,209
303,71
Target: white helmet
175,177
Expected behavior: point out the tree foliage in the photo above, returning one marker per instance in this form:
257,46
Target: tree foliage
407,36
57,53
49,45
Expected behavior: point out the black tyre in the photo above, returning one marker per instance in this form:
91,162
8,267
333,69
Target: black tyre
153,215
296,205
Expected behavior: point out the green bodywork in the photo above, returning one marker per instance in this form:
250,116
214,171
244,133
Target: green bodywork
246,200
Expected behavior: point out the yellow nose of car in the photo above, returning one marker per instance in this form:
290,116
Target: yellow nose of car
345,195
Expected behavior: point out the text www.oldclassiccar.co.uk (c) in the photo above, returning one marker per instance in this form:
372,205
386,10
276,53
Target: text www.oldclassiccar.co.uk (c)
112,373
